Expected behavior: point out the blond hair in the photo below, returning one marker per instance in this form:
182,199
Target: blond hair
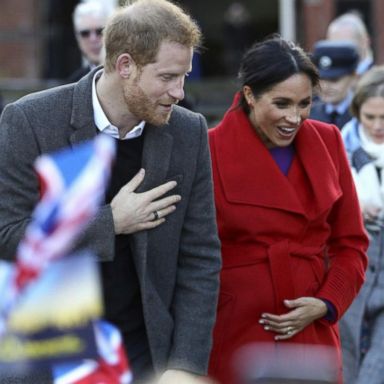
371,84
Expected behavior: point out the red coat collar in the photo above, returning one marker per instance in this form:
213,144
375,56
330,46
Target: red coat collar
250,175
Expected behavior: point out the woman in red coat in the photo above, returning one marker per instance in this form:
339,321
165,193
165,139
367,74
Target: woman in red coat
293,242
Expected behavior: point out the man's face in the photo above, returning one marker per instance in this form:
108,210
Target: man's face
156,87
334,91
89,37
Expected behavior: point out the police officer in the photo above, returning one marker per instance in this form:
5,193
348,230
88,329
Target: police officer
337,62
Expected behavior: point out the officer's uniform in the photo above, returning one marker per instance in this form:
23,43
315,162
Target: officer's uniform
334,59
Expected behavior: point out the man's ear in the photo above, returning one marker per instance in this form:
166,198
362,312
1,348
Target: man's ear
125,65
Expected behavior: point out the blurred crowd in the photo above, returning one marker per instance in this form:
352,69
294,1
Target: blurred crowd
351,96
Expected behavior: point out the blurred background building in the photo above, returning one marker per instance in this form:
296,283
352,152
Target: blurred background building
38,48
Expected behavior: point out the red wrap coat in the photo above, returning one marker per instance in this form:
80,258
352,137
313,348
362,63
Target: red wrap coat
283,237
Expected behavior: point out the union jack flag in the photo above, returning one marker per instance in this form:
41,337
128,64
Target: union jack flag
72,186
112,366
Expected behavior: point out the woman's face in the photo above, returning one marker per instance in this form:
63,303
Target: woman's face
372,118
278,113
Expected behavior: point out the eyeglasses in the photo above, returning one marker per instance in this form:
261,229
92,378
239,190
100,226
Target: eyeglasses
85,33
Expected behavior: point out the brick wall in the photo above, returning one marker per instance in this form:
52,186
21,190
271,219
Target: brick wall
20,38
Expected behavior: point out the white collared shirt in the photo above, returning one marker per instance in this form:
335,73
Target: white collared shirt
101,121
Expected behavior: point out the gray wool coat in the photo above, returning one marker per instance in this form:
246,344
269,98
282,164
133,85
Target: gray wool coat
177,263
366,368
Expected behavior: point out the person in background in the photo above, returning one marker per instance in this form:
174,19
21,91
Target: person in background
350,27
336,62
156,235
238,35
362,326
89,18
293,240
1,103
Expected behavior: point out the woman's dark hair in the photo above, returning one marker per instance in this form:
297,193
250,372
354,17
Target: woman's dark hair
273,61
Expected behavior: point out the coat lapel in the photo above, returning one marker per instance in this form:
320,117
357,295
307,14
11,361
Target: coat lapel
250,175
246,168
318,171
156,160
82,119
156,156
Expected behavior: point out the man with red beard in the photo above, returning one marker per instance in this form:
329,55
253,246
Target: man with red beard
156,235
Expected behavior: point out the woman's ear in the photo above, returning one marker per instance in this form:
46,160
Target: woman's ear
248,95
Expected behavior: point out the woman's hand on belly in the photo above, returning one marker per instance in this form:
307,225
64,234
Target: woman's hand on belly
304,311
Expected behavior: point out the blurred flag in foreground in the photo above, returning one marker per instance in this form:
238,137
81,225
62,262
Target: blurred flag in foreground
111,366
73,183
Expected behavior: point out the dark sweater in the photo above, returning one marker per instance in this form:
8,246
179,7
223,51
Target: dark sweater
121,290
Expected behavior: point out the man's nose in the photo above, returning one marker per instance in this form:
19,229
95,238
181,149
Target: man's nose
177,90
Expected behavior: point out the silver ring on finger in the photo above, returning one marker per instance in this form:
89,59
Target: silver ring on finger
156,215
289,331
